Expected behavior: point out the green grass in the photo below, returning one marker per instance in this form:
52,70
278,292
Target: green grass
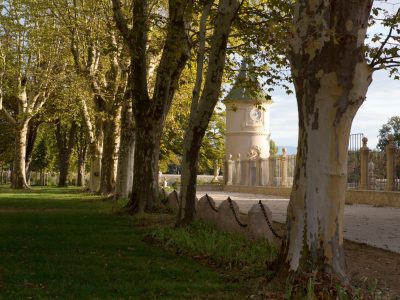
224,248
62,243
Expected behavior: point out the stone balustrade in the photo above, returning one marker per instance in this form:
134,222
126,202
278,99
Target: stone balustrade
275,171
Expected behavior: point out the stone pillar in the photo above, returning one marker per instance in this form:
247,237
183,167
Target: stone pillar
230,170
364,158
284,178
246,169
262,170
252,172
238,178
271,170
390,166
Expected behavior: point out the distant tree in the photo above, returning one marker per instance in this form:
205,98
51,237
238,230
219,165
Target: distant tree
391,127
273,149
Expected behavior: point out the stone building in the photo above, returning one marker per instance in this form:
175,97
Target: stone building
247,118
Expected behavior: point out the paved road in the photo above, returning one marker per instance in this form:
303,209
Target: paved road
375,226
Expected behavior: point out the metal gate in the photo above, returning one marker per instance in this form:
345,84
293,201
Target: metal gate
353,161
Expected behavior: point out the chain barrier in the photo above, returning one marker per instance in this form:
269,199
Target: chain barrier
268,222
234,213
211,205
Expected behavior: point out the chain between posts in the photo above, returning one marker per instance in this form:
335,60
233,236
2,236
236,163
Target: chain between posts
268,222
234,213
211,205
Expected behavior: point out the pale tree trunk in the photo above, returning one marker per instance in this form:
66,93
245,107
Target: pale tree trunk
331,80
18,176
202,111
96,153
126,151
81,147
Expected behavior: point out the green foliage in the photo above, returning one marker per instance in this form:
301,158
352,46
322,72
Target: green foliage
391,127
7,135
227,249
273,149
171,148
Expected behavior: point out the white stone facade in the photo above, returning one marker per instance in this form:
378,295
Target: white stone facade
247,129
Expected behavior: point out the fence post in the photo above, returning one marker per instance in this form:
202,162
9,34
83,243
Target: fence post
238,177
271,170
284,168
364,158
390,168
230,170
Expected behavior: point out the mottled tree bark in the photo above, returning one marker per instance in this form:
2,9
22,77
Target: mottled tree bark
331,79
18,175
202,111
96,153
126,153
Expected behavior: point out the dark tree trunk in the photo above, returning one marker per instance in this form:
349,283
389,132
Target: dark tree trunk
201,112
65,138
145,173
107,181
31,138
81,147
150,112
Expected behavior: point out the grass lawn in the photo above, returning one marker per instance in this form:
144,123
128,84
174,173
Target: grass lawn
61,243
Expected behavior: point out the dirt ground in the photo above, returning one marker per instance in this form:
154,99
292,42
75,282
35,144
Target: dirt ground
368,265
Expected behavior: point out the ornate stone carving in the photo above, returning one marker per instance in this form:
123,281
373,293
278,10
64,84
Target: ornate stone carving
254,152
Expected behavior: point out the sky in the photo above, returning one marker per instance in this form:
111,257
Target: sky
383,102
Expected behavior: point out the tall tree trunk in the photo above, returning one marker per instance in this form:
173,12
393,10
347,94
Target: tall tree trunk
18,176
202,111
65,138
150,112
81,167
96,153
81,147
31,138
107,181
145,173
331,80
126,152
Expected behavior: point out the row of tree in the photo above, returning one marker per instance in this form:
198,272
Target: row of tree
102,62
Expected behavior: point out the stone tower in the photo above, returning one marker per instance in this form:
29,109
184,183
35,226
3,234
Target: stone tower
247,117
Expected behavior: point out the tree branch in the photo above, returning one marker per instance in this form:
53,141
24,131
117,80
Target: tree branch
121,21
8,116
200,55
378,54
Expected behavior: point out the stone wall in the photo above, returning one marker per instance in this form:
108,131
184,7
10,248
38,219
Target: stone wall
257,224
